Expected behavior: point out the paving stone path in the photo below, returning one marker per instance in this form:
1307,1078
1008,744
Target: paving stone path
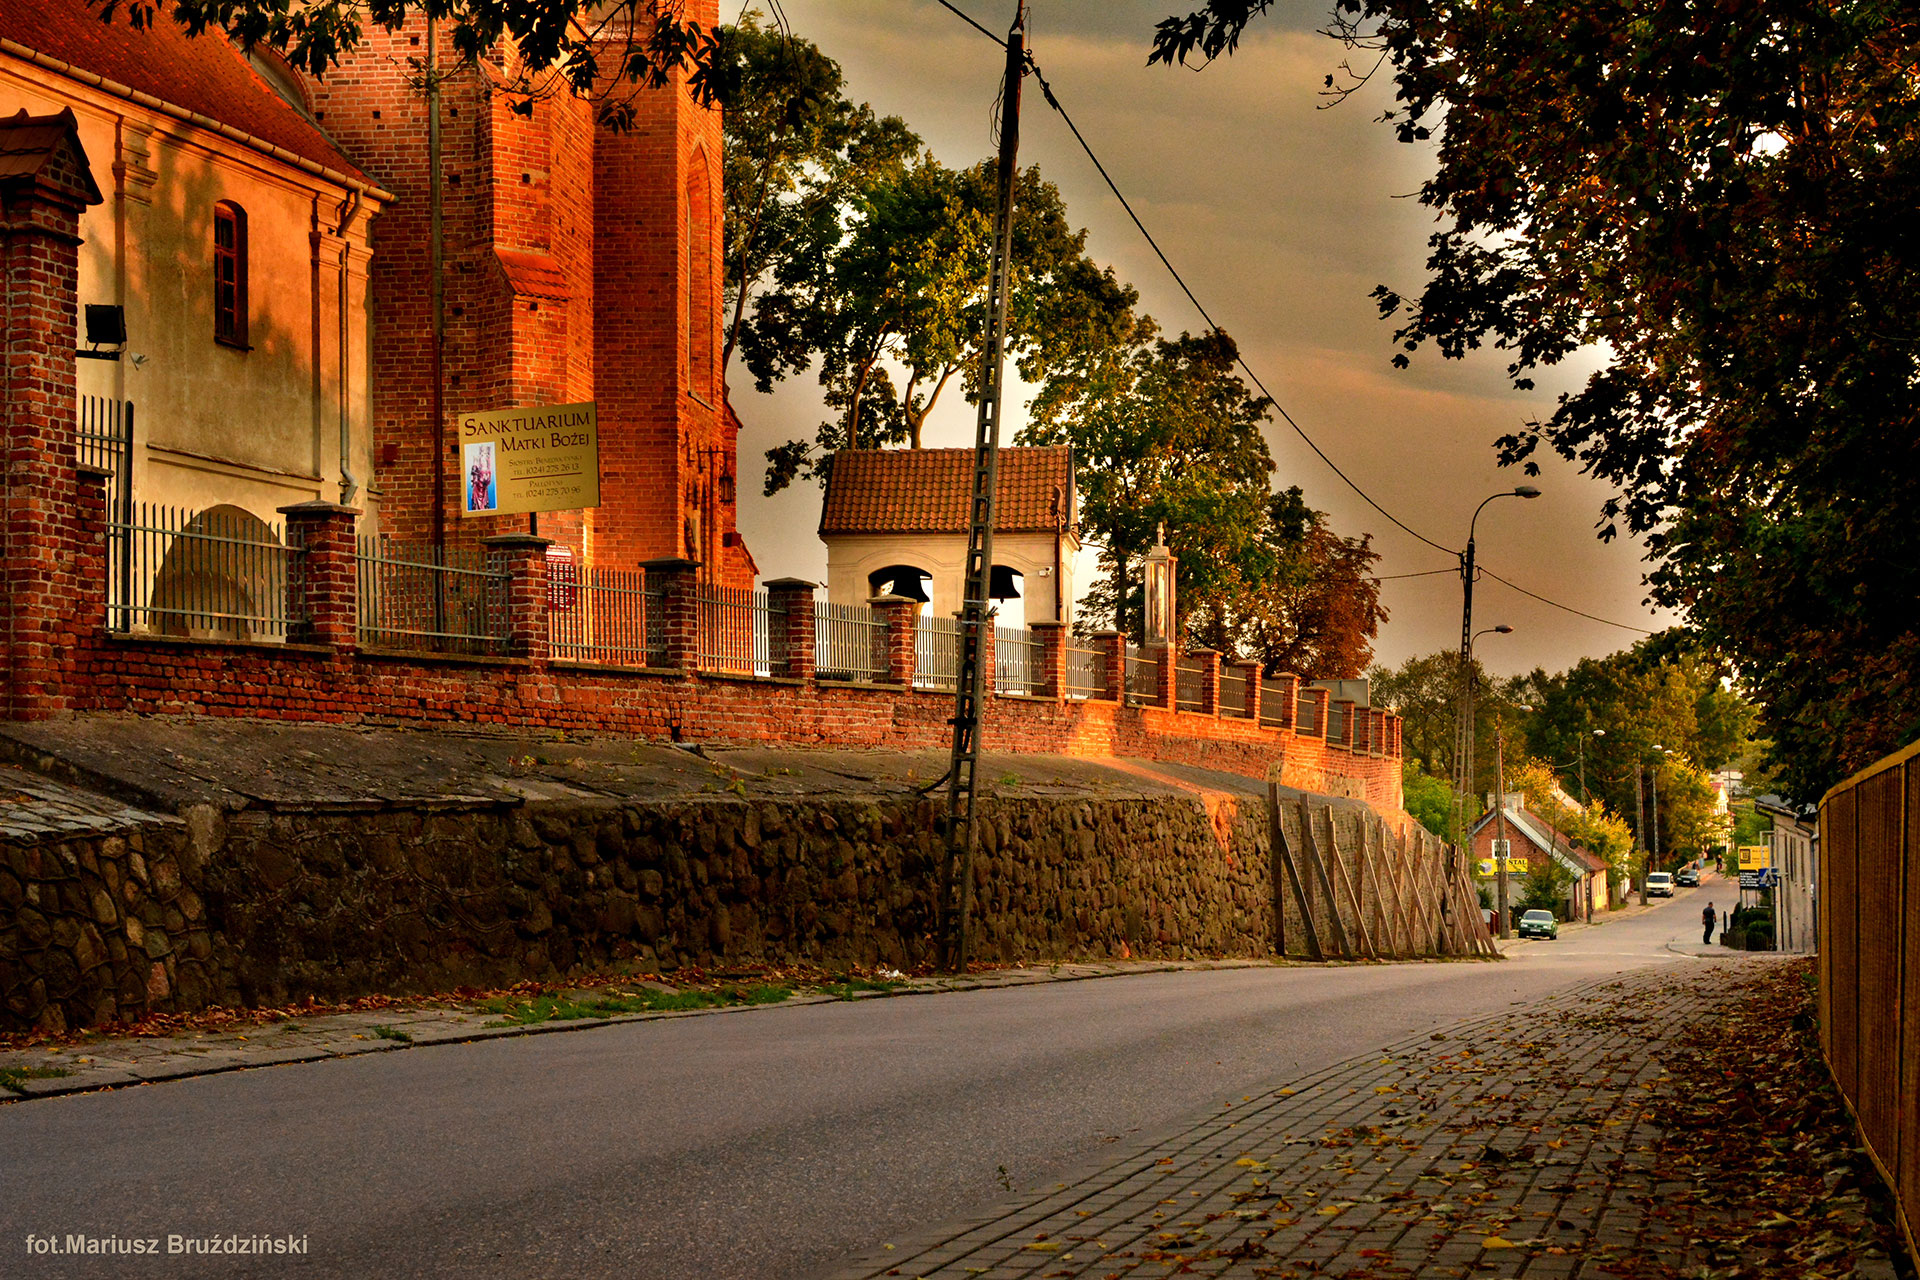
1519,1144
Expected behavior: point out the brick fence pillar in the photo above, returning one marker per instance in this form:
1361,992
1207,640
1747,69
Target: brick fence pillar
1346,738
1112,648
323,594
1250,672
899,614
1209,680
989,661
48,181
1317,700
1050,681
679,604
1165,657
523,557
1286,693
790,629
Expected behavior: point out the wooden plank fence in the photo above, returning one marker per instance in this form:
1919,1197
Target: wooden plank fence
1346,886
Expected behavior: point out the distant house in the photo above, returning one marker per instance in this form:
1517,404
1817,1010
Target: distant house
1534,840
1795,845
895,520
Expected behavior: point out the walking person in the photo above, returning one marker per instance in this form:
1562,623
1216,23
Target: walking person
1708,918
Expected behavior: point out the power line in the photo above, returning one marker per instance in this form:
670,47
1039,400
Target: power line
1564,607
1428,573
1053,101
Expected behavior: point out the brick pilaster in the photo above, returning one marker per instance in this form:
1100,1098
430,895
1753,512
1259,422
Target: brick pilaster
323,586
1209,680
899,614
790,630
47,183
1250,672
1317,702
523,557
989,663
1166,697
679,602
1050,681
1287,695
1112,648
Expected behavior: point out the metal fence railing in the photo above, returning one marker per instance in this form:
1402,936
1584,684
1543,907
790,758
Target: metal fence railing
1086,673
1016,660
218,575
601,616
1187,692
1273,703
103,437
736,630
1233,694
1143,675
936,652
437,599
1868,903
849,642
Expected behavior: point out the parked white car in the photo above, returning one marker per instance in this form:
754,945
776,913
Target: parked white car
1659,884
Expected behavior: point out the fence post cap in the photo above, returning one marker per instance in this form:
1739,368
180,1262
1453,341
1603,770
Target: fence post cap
93,469
508,541
670,564
890,599
1199,653
317,507
790,584
1108,634
1049,625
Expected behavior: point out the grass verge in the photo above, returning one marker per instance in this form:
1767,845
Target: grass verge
11,1078
567,1006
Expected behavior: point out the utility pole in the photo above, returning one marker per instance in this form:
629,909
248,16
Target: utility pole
1502,848
954,905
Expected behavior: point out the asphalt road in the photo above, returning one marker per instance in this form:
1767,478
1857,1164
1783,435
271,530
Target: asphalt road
760,1144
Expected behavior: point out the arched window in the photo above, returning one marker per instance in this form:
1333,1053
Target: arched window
702,308
230,274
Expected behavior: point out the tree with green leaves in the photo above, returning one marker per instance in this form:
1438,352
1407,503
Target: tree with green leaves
797,157
1165,433
1718,199
1427,798
905,293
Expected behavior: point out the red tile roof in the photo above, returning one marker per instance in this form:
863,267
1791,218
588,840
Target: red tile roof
928,490
203,74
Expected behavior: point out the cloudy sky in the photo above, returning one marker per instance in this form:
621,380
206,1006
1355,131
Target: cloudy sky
1282,214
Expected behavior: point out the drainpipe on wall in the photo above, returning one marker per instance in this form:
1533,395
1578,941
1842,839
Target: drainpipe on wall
349,483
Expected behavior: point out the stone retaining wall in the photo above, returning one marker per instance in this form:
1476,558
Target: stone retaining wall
263,907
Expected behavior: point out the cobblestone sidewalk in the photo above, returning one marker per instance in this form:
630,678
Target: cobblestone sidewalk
1519,1144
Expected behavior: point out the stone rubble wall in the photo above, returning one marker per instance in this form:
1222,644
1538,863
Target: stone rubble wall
264,908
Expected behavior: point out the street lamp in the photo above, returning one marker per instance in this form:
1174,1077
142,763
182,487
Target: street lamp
1463,734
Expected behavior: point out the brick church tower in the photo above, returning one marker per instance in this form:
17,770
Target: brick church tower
581,263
